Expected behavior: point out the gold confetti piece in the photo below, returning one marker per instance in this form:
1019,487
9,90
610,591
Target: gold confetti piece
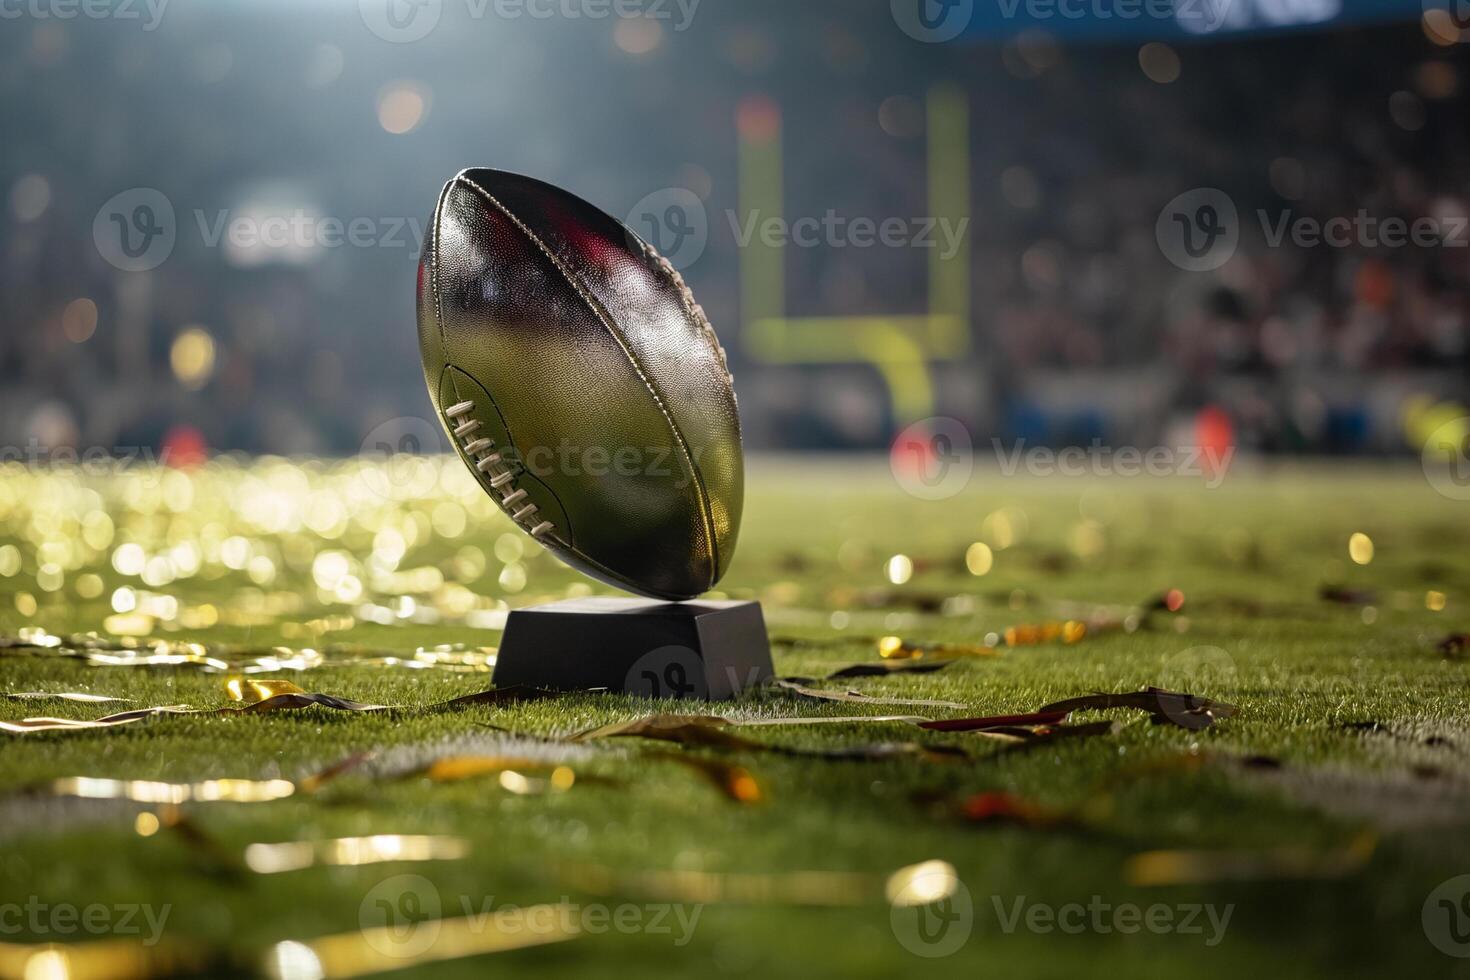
378,950
898,648
921,884
135,651
317,780
129,624
514,781
454,768
1185,710
1206,867
826,720
109,959
145,791
289,701
1041,737
253,692
65,696
1360,548
1026,720
28,725
263,696
1070,631
352,851
704,730
801,690
997,807
917,884
684,729
736,782
885,668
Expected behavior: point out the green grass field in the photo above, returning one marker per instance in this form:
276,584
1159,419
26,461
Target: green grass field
1333,833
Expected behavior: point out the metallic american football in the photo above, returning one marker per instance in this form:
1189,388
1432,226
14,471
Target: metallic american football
581,384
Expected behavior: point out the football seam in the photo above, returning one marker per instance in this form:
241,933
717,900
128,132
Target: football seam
705,514
434,265
696,313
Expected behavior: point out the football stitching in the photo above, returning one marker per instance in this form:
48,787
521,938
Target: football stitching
606,321
464,430
551,535
696,313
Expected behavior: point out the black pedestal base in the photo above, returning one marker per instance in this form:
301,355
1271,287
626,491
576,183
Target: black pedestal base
704,650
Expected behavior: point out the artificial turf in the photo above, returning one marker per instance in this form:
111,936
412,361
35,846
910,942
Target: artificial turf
1292,782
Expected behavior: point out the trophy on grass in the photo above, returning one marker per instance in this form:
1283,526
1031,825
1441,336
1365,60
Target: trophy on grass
586,391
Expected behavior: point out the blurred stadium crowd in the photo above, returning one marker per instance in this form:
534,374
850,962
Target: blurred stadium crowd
1081,328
